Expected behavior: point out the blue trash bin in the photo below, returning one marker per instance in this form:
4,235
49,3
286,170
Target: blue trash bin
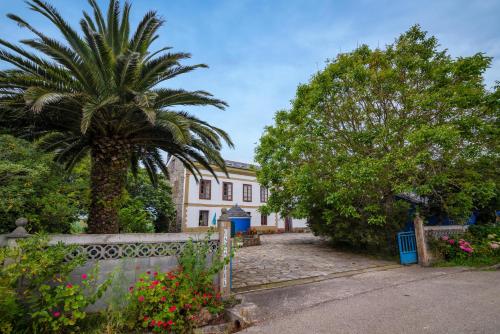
240,220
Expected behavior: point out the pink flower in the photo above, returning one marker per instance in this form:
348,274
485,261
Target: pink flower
494,246
131,289
84,276
141,298
445,237
56,314
466,249
451,242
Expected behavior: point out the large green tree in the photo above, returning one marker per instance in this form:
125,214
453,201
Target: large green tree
375,123
98,92
35,187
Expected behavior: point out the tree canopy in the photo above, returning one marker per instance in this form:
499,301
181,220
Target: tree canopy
408,118
97,92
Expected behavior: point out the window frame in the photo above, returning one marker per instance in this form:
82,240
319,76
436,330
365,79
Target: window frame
247,196
200,216
263,219
208,194
228,197
265,192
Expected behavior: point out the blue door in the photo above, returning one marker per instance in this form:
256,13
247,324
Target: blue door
407,247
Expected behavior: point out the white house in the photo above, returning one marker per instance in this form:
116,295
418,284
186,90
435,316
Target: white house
199,204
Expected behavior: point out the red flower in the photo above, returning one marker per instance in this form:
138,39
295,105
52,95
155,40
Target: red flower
153,323
177,283
155,274
141,298
148,272
170,322
155,282
84,276
163,299
56,314
172,308
69,286
146,318
131,289
164,288
159,323
141,279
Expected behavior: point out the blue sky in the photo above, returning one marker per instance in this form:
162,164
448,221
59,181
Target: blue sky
260,50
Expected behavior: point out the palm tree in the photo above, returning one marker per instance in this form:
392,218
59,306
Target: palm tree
97,92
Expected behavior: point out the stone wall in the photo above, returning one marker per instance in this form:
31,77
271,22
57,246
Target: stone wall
177,176
125,255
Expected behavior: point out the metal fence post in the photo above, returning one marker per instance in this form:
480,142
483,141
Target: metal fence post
423,257
224,225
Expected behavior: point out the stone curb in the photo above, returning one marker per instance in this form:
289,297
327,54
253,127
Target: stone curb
312,279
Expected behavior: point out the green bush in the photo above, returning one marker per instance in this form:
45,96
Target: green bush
35,187
180,300
479,246
134,218
35,295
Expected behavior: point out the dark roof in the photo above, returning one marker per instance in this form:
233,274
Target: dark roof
412,198
236,212
240,165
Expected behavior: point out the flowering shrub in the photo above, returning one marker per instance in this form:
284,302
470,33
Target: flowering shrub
479,246
170,302
452,247
35,295
180,300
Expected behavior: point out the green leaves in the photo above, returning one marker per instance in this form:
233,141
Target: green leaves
374,123
101,83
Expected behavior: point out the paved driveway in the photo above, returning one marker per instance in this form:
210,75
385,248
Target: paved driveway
406,300
294,256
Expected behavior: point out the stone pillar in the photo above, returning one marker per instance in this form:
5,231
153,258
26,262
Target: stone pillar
423,257
19,233
224,226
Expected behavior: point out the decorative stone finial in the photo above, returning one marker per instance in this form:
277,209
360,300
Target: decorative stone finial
224,216
20,231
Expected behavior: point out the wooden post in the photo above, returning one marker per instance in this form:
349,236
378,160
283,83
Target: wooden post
224,225
423,257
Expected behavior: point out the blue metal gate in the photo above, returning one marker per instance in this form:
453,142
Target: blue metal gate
407,247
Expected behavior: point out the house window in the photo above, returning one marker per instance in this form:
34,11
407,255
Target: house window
263,219
205,189
263,194
247,193
203,218
227,191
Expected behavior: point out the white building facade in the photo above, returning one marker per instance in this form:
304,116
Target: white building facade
199,204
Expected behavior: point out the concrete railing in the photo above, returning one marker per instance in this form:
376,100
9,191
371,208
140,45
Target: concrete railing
130,255
425,234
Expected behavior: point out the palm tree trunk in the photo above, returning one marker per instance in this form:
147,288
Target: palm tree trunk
108,174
